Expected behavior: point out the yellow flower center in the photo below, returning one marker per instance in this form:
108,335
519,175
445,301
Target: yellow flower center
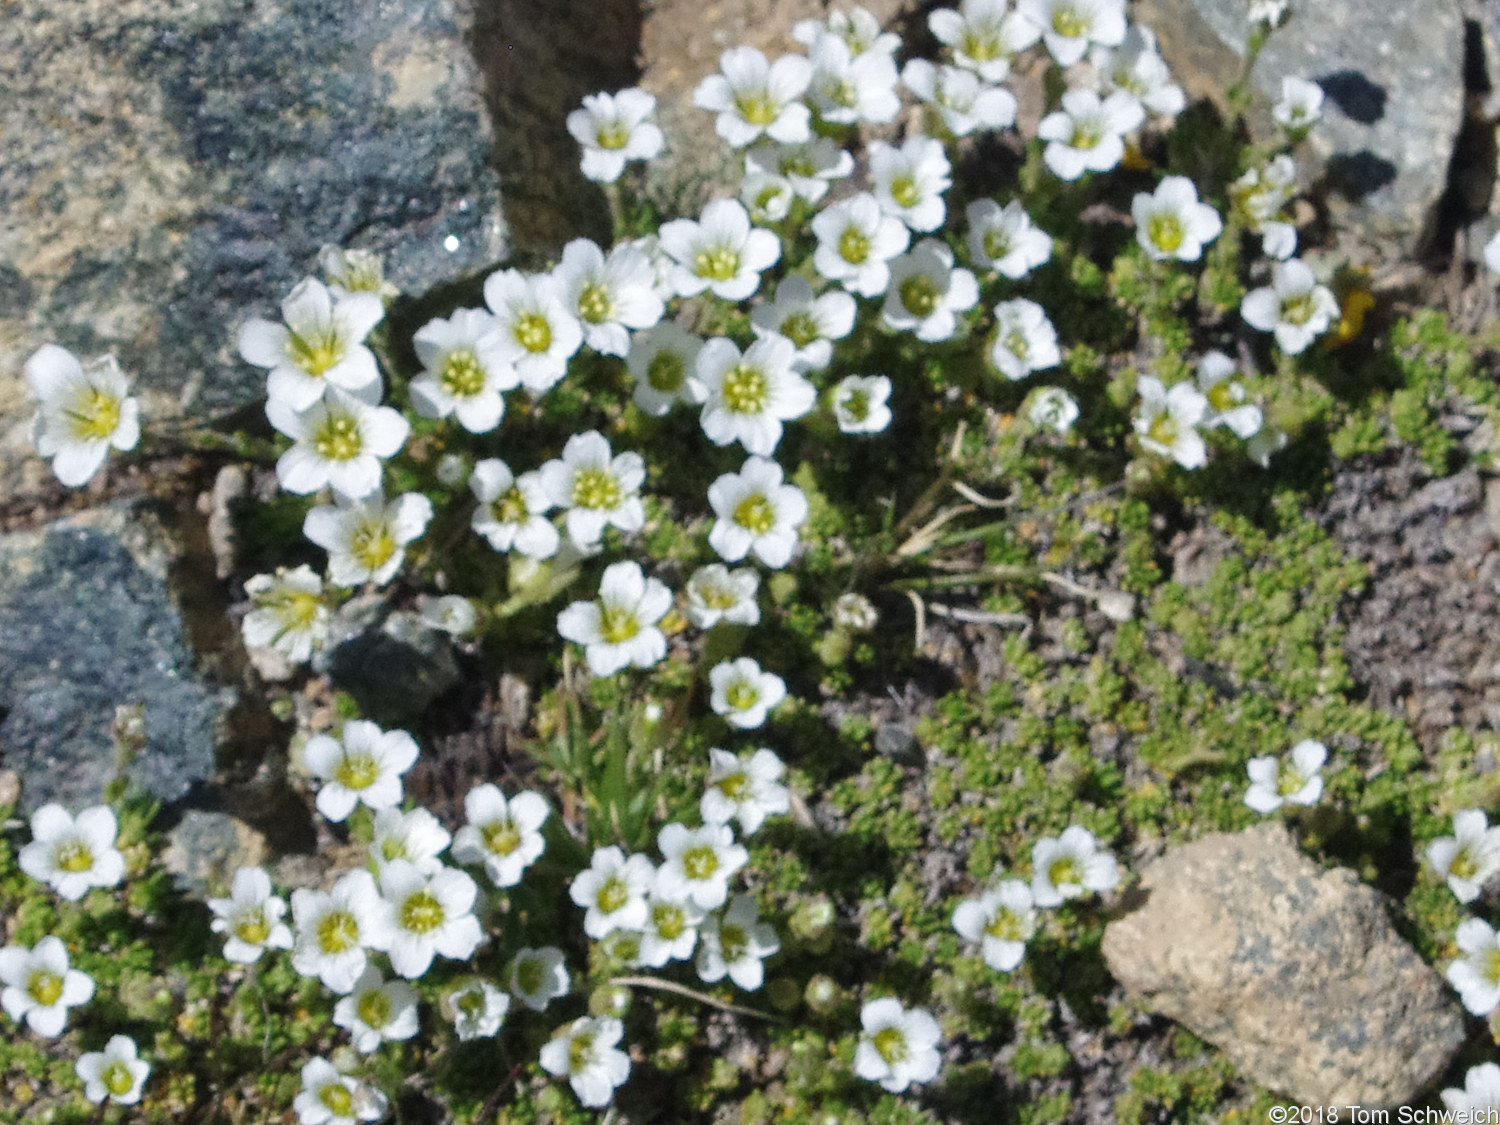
1086,135
617,624
857,404
357,771
338,932
253,929
997,243
374,1008
757,109
421,913
1017,344
74,856
800,328
529,978
45,987
316,356
1464,865
854,246
462,376
742,695
979,46
1491,971
734,785
1068,23
595,304
718,264
501,837
612,136
1163,430
1064,872
613,894
700,862
841,92
393,847
95,415
372,544
1221,396
745,389
533,332
338,438
904,191
1005,926
1289,780
580,1052
755,514
510,506
666,372
890,1043
669,920
337,1100
596,488
719,597
117,1079
295,610
920,295
1164,229
733,942
1298,309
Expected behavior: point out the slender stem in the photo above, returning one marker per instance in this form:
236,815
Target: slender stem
691,994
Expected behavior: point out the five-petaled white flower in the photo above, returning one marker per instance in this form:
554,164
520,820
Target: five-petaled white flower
1136,68
1171,222
426,914
1259,195
1274,782
719,252
290,614
698,863
619,628
1476,975
860,404
1220,383
857,27
1470,857
743,693
1088,134
910,181
609,295
856,241
1167,420
464,370
898,1045
846,88
453,614
40,986
82,411
927,292
354,270
377,1010
1481,1092
756,98
734,944
746,788
1002,921
671,930
810,167
321,345
983,36
365,539
715,593
960,97
1052,408
1068,27
330,1097
335,928
767,197
613,129
810,322
663,360
595,487
854,612
250,917
510,510
749,396
416,836
363,765
1025,340
756,512
613,890
477,1008
1004,239
1301,105
538,335
1069,866
339,441
73,854
116,1073
505,836
584,1053
538,976
1294,306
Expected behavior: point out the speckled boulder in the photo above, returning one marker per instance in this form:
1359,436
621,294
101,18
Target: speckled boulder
1294,972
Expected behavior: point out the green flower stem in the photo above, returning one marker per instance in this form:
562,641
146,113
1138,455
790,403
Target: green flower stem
692,994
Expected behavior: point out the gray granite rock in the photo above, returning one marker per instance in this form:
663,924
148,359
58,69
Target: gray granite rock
1294,972
86,625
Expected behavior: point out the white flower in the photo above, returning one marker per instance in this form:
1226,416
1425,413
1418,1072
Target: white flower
846,88
1492,253
735,943
450,613
663,361
82,411
613,891
1136,68
1025,340
756,512
1266,11
251,917
715,593
115,1073
329,1097
377,1010
746,788
1003,238
1069,26
363,765
767,197
1087,134
510,510
1052,408
856,27
596,488
756,98
365,538
720,252
538,976
960,97
339,441
910,181
742,693
1274,783
671,930
71,855
1301,105
1295,307
613,129
809,167
1167,421
983,36
354,271
505,836
898,1045
290,615
1468,858
1481,1092
855,612
856,241
1171,223
619,628
40,987
477,1007
609,295
334,928
810,322
1476,975
749,396
538,335
859,404
1226,394
1002,920
416,836
321,345
1259,196
584,1052
464,369
927,293
1266,442
1070,866
426,914
698,863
